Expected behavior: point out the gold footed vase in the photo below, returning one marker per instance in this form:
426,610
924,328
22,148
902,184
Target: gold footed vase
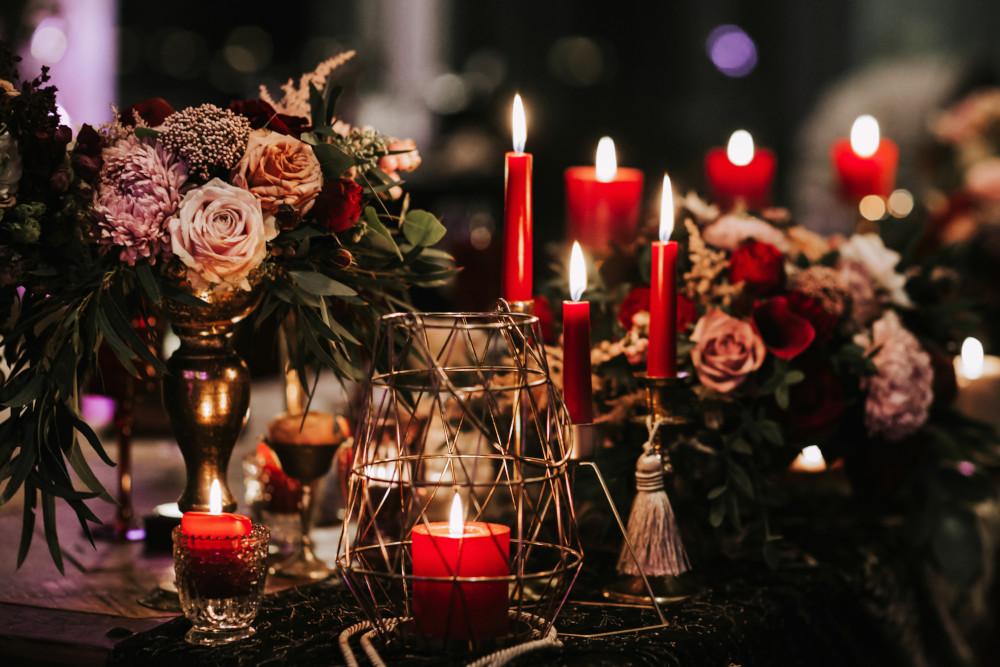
206,390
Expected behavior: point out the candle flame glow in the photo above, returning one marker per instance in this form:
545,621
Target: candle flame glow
519,125
972,359
865,136
607,161
215,498
577,273
456,520
666,210
740,148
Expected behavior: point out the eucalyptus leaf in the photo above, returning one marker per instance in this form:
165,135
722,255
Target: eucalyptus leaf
740,477
371,218
717,491
121,350
332,160
146,133
317,283
422,229
148,281
717,513
317,106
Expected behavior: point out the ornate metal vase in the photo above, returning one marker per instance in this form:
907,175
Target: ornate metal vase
206,391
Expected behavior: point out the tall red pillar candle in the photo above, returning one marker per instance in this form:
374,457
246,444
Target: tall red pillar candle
866,163
740,173
661,355
517,245
603,202
577,388
460,610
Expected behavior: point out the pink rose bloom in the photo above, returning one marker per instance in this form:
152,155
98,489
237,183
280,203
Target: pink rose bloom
220,234
982,180
730,231
726,351
393,164
279,169
900,396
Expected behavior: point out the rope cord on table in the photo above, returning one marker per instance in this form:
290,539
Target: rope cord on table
495,659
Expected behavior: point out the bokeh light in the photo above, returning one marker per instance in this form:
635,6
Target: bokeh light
48,43
872,207
248,49
578,61
900,203
731,50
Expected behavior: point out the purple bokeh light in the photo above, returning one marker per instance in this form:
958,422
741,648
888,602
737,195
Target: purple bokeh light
731,50
967,468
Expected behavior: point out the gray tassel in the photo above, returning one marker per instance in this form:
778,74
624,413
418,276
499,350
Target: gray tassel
652,527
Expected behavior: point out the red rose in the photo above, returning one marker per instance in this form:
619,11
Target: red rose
824,323
637,301
154,111
687,313
784,333
261,114
87,159
338,205
543,311
759,266
816,402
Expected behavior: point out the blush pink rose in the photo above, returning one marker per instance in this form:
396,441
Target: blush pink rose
726,350
220,234
279,169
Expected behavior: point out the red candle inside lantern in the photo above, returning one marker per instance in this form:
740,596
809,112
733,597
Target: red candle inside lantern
603,202
577,389
661,356
215,523
517,247
741,174
865,164
467,609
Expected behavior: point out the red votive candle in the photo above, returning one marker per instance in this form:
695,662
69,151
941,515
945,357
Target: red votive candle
740,173
603,202
577,387
661,355
215,523
460,610
517,241
866,163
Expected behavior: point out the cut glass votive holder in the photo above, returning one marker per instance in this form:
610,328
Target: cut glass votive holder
220,582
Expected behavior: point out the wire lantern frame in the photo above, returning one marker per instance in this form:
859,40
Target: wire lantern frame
460,404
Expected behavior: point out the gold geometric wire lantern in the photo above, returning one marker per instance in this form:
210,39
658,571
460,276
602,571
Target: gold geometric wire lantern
460,405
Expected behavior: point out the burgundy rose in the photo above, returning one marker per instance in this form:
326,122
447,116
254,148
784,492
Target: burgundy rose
823,323
687,313
86,158
637,301
816,402
263,115
759,266
154,111
784,333
543,311
338,205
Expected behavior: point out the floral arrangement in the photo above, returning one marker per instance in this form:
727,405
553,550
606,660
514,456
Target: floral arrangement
791,339
96,230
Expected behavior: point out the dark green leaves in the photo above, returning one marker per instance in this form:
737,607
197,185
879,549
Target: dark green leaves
422,229
374,224
332,160
320,284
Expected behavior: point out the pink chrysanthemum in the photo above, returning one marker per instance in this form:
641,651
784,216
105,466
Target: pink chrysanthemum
140,188
900,396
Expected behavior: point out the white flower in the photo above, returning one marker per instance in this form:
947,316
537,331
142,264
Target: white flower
881,262
10,169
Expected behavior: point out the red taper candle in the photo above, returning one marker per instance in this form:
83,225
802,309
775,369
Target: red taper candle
865,164
603,202
661,356
460,610
577,388
740,173
517,246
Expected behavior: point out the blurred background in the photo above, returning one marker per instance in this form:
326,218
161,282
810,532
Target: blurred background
666,80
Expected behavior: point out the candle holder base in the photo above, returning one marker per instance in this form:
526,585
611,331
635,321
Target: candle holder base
217,637
665,590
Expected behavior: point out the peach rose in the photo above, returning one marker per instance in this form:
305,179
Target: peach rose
279,169
220,234
726,351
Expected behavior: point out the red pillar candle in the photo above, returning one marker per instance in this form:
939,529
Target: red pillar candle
661,355
603,202
517,246
866,163
577,388
740,173
460,610
215,523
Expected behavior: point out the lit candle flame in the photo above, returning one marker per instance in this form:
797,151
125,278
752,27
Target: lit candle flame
972,359
740,149
666,210
456,520
519,124
607,161
865,136
577,273
215,498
